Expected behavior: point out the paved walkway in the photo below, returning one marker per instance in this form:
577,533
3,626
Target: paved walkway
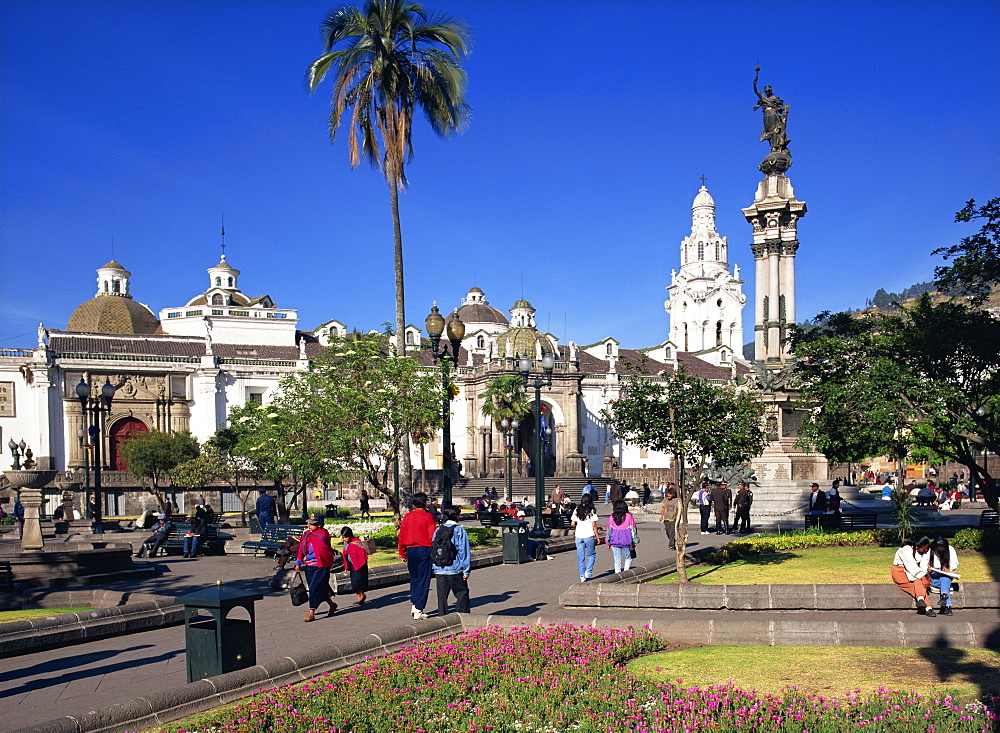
79,678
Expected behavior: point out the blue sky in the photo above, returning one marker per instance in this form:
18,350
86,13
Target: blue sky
145,122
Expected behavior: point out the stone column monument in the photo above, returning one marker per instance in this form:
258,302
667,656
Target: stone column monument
784,470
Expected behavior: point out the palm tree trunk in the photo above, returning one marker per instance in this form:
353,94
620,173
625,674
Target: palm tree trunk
405,464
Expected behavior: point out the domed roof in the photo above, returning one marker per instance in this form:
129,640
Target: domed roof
522,303
113,265
113,314
704,198
471,313
522,341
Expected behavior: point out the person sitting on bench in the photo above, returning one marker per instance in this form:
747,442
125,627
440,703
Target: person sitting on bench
161,530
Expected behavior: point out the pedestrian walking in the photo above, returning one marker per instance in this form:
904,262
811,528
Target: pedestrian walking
622,535
315,559
366,510
587,535
451,560
668,515
264,509
416,532
355,563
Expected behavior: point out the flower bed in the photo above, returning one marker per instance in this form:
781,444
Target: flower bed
554,679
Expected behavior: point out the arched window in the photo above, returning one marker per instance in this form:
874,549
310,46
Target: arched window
611,348
115,286
719,302
409,338
333,331
217,300
218,282
718,333
105,286
666,353
686,338
230,282
480,342
718,247
701,250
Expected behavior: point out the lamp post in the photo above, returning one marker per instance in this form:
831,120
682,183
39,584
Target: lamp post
97,407
524,364
86,445
509,429
435,325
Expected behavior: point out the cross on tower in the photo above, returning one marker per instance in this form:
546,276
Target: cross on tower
703,179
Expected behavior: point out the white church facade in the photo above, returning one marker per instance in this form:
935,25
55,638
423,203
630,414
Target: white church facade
188,367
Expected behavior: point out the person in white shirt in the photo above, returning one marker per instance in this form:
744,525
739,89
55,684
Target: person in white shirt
587,535
942,557
909,572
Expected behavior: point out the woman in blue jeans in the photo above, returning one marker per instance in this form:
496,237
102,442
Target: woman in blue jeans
587,535
942,557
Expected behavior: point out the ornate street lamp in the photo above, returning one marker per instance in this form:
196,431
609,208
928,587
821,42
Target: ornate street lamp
435,325
509,429
97,407
86,445
548,364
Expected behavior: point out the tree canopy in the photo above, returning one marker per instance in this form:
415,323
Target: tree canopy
504,398
152,455
693,420
975,260
927,378
352,410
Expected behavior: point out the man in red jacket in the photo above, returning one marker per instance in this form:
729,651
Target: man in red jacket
415,536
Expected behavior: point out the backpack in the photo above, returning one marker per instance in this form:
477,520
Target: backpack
443,550
620,536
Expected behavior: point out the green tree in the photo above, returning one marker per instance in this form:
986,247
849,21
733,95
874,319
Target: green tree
352,411
975,260
504,398
694,421
216,464
926,379
390,59
152,455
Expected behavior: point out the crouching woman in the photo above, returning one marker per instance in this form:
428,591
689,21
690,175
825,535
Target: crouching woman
909,572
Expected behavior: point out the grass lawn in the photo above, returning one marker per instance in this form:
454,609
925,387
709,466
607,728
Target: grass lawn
8,616
829,670
826,565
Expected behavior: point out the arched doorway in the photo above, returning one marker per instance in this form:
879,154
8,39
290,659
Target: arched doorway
528,444
122,431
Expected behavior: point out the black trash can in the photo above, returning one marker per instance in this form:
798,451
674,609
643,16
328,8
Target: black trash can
514,535
218,644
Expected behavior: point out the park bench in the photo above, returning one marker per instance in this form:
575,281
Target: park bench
557,521
989,518
835,522
491,519
272,537
213,542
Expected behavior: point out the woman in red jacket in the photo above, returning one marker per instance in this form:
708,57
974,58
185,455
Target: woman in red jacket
316,556
355,563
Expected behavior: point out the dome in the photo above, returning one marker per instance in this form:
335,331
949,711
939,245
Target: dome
703,198
522,303
523,341
473,313
112,314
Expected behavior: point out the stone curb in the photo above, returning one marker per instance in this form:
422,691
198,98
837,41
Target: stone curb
169,705
149,612
140,614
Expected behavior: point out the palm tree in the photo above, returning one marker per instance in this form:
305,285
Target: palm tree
390,58
504,398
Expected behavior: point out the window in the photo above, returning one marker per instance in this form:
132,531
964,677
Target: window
217,300
701,250
480,342
174,314
333,331
218,312
409,338
611,348
105,286
719,302
277,315
718,333
723,357
178,388
255,398
115,286
666,353
230,282
218,282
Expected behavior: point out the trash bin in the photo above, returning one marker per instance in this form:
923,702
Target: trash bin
331,511
218,644
514,535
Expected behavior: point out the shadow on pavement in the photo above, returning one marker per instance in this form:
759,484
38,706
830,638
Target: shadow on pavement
71,661
61,678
